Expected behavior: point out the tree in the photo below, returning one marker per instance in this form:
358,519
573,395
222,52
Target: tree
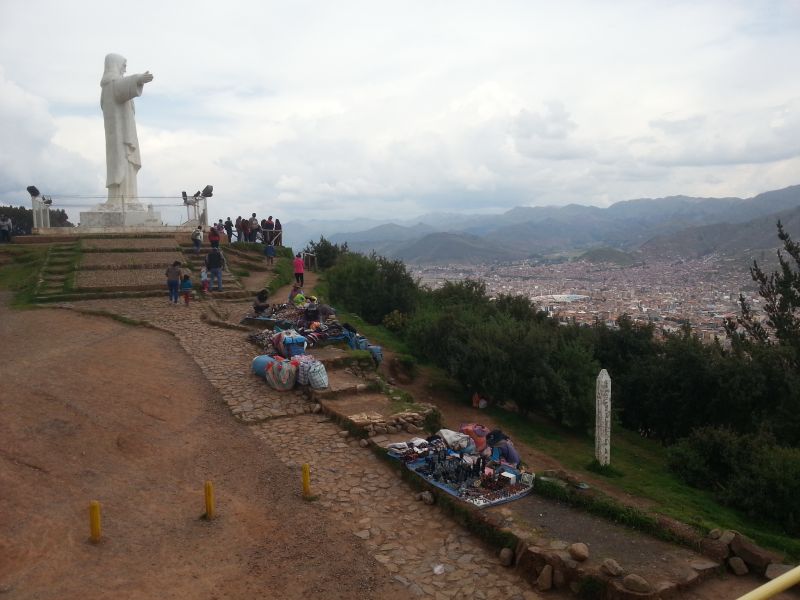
327,253
774,349
781,293
22,218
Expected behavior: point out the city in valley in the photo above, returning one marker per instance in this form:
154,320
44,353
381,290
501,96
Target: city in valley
667,293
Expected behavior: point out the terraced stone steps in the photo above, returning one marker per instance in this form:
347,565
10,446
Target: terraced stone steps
56,270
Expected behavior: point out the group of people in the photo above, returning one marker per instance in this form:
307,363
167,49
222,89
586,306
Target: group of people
179,280
266,230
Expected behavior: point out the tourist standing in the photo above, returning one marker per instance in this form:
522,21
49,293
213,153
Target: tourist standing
213,237
239,228
197,238
299,269
278,238
254,227
229,229
6,227
269,230
173,275
186,288
215,263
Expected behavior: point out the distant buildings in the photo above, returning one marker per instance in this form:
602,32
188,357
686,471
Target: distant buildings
667,293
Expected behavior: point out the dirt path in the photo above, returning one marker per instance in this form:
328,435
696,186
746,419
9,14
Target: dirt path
281,295
93,409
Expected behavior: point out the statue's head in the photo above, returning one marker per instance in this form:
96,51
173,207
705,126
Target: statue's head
114,68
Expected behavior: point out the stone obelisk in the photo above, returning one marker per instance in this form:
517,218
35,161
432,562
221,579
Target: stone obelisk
602,424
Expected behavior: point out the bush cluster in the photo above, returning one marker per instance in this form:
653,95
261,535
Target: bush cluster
371,286
718,401
750,472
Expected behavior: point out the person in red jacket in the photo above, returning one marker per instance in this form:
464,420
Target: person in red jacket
299,269
213,237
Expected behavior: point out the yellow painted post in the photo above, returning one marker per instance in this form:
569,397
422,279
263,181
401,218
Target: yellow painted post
94,521
209,491
774,587
306,480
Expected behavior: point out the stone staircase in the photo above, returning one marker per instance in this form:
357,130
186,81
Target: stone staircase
125,266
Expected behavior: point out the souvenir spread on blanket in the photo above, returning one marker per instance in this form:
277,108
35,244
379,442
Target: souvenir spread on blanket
473,478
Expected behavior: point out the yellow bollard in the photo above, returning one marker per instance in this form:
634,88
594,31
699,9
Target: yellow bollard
306,481
209,490
94,521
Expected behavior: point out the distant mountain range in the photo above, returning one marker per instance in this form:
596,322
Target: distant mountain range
675,226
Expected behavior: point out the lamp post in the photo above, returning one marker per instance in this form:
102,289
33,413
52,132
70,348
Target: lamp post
195,200
41,207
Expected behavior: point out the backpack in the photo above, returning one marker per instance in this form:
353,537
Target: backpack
196,234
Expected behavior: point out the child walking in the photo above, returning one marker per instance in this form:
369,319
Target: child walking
204,280
186,288
269,252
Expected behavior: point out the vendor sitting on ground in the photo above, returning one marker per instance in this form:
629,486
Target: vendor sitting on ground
260,304
294,292
478,434
311,313
325,312
503,448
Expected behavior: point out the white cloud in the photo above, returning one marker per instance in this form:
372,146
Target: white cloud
363,108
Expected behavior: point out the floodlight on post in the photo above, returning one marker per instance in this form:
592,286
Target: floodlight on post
200,215
40,205
207,192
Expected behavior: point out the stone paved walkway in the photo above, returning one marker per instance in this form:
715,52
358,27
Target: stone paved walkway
408,537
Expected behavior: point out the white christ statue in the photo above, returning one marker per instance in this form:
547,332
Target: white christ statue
122,145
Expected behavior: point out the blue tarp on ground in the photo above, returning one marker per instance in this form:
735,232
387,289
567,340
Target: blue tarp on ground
474,501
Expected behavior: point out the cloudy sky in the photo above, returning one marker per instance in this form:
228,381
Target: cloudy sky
393,109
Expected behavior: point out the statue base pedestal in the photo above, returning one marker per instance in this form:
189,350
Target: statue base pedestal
135,217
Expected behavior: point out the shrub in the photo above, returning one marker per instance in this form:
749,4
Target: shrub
372,286
750,472
395,321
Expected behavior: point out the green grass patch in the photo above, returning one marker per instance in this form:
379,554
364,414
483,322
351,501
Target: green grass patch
249,247
284,275
644,463
604,470
21,274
